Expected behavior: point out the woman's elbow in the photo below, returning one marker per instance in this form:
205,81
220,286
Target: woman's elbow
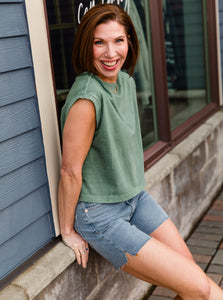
71,173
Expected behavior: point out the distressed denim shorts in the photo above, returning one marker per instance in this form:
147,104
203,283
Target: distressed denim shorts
118,228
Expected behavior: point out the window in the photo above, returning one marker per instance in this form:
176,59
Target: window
138,11
187,80
176,76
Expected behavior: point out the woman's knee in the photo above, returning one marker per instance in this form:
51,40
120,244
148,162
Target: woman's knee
205,288
202,291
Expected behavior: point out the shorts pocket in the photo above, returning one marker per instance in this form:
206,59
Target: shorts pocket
92,205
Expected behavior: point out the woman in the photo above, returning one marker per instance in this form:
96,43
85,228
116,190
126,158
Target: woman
102,176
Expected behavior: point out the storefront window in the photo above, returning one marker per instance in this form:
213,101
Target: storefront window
139,13
62,26
185,59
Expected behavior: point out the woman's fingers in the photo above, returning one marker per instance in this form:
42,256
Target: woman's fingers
81,255
79,246
84,257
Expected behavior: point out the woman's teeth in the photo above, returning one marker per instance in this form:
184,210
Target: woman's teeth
109,64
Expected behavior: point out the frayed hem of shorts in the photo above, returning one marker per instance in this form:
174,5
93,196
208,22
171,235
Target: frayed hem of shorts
134,253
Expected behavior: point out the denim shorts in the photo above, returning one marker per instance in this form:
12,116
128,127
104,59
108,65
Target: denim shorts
118,228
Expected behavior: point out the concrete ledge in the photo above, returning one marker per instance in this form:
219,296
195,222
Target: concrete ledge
173,158
40,275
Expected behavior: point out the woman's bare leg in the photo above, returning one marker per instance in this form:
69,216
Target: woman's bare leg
159,264
168,234
166,261
165,233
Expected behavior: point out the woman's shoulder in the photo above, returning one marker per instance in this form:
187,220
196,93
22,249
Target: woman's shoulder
126,78
85,83
84,87
126,81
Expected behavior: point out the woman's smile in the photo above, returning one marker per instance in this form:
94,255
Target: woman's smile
110,50
110,64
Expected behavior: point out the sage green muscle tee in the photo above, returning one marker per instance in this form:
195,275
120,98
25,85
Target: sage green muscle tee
114,169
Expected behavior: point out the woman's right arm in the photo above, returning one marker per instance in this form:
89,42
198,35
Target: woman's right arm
78,134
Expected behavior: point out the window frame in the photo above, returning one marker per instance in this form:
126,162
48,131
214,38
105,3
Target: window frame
168,139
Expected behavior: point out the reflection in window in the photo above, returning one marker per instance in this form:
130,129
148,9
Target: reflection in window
139,14
63,16
185,58
62,27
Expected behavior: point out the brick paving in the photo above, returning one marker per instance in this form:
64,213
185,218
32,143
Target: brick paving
206,245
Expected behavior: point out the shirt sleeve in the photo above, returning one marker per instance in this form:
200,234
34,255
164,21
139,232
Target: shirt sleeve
72,98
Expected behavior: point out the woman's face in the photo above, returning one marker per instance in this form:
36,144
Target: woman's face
110,49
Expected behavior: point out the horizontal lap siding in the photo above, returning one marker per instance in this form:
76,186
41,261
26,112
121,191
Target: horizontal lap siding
15,54
16,219
25,209
20,150
16,250
21,182
221,34
18,118
16,86
13,21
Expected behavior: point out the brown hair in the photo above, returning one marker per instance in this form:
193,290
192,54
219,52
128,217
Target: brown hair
82,55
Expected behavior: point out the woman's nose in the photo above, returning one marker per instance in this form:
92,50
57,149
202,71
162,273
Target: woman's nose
110,51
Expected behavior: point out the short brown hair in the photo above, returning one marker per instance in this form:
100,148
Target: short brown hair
82,55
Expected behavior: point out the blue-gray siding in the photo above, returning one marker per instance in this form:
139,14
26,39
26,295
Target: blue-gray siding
221,34
25,209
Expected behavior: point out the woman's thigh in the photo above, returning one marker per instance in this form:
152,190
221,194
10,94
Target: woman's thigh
168,234
161,265
153,220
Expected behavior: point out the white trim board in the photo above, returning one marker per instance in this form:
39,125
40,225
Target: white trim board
46,98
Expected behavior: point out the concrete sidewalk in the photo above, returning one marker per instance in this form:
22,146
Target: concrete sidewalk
206,245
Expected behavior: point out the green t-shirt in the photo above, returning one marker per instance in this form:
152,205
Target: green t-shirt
114,169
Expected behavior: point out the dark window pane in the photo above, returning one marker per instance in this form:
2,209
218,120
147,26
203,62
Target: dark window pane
185,59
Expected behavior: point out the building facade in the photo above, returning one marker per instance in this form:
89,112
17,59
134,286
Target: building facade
179,92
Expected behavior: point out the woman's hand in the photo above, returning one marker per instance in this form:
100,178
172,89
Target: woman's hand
78,245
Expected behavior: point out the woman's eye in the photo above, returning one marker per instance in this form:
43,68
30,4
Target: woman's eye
98,42
119,40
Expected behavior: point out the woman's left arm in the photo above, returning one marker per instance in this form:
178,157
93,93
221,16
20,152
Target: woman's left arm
78,134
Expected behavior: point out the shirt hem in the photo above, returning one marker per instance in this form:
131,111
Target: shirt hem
111,198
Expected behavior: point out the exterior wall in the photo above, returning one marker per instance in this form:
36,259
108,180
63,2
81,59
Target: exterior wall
220,4
25,209
185,182
46,98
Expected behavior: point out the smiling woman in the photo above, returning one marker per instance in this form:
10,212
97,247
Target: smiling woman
124,37
102,202
110,50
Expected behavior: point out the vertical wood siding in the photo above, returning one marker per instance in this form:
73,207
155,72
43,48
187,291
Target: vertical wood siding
25,209
221,34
